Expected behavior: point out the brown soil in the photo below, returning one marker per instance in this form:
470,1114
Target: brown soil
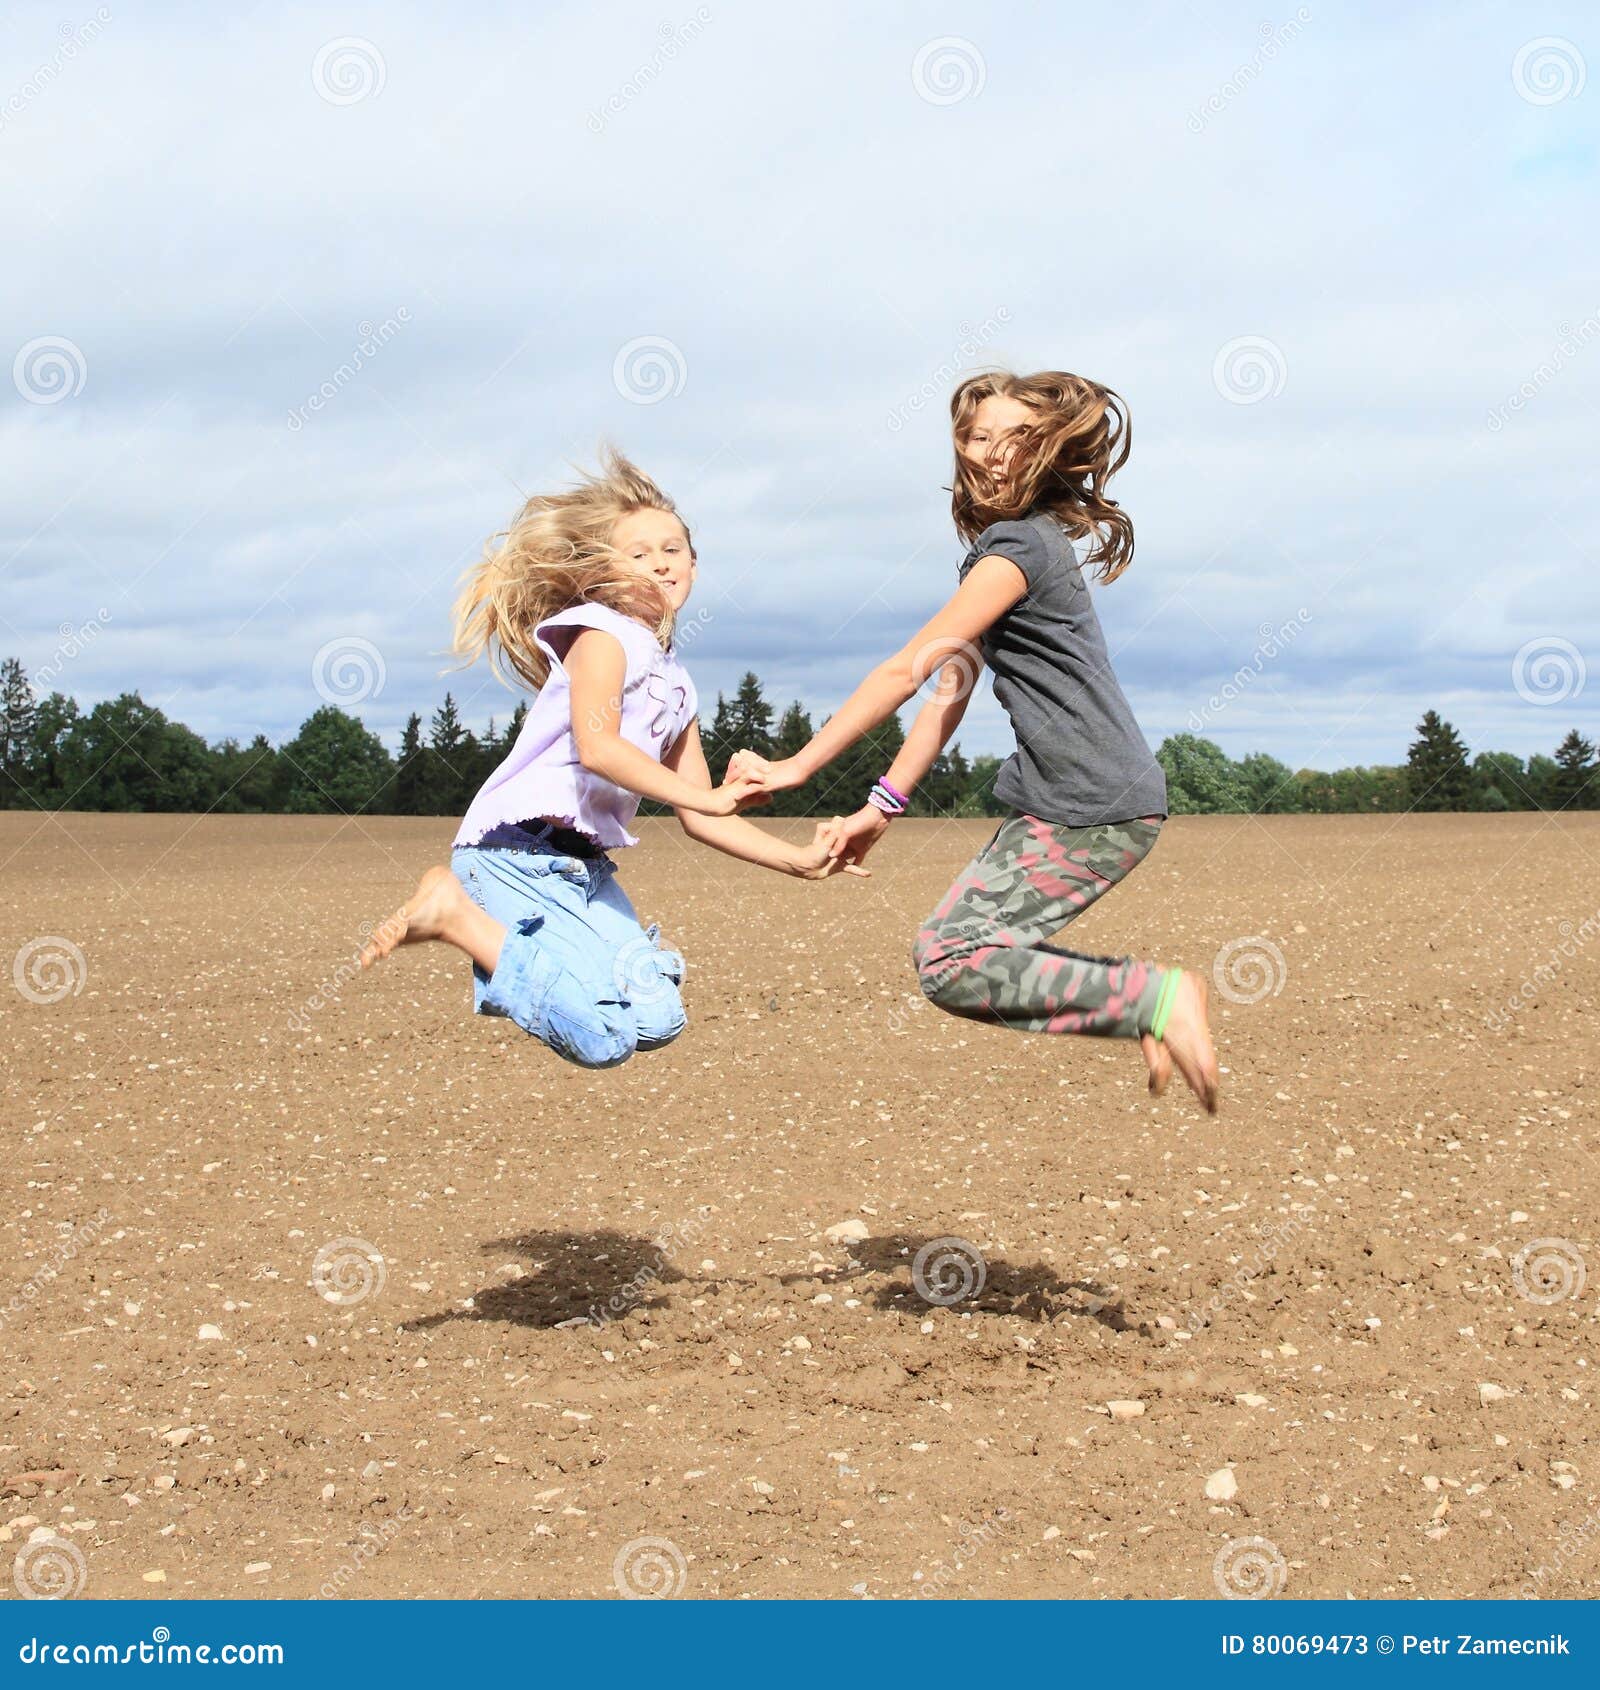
224,1098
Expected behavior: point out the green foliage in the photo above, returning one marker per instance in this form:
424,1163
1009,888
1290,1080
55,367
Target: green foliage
126,755
1437,773
334,764
1200,778
1575,784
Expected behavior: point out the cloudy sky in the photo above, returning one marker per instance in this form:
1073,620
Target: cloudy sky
299,303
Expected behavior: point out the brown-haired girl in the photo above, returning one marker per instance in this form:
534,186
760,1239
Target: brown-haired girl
1034,455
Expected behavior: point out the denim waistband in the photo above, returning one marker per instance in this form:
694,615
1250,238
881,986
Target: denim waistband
541,836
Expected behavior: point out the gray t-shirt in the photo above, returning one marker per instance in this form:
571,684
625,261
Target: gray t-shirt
1080,757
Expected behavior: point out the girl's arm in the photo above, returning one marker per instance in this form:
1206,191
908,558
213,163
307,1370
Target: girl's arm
597,669
936,722
992,586
736,837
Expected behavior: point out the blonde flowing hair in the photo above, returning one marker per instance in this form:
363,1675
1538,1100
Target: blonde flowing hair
556,553
1061,463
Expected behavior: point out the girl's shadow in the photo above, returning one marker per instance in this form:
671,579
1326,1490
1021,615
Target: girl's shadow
957,1275
593,1276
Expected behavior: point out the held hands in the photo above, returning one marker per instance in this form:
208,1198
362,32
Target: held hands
818,860
849,838
767,776
735,794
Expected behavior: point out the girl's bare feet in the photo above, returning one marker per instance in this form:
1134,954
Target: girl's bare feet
434,911
1157,1061
1188,1038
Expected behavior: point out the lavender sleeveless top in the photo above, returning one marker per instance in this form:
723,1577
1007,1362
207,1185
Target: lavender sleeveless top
541,776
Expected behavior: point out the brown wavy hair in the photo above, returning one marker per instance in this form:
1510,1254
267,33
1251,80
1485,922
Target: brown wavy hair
1061,462
557,552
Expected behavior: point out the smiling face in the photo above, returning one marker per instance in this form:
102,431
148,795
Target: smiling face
992,437
657,544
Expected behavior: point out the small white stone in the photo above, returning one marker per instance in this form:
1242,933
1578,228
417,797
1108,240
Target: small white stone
1121,1409
1491,1393
1251,1399
372,1470
178,1436
761,1487
207,1334
800,1341
258,1567
1222,1486
847,1232
1051,1532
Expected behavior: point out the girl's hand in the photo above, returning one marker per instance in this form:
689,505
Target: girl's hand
731,797
818,861
850,837
782,776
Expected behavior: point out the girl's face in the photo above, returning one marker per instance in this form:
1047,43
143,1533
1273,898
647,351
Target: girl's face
992,438
657,544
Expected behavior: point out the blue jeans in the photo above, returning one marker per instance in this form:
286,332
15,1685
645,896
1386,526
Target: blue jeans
576,969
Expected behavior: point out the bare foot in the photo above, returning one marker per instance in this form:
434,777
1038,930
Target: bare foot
427,914
1157,1061
1188,1038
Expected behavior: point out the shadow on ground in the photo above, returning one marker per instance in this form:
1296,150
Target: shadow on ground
958,1275
597,1276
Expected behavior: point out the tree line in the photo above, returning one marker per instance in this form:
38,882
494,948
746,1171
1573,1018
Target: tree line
126,754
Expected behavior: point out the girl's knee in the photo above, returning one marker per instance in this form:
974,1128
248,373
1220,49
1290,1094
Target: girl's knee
939,957
662,1025
603,1035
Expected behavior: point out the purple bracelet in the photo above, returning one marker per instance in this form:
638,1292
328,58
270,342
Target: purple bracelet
899,797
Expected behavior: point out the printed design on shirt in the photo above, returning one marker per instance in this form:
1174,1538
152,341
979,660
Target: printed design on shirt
671,709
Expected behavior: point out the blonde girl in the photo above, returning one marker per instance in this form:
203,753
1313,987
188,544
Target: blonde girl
1033,457
577,599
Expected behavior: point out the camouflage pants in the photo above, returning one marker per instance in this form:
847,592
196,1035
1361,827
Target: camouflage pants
981,954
